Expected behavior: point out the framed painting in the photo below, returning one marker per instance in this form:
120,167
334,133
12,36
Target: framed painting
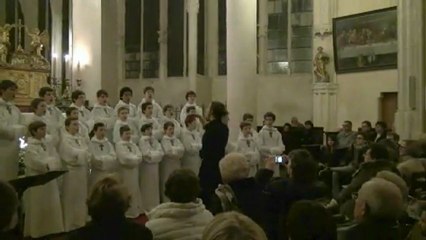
367,41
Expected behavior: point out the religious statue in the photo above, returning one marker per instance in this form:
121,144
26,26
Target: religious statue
4,43
38,40
320,66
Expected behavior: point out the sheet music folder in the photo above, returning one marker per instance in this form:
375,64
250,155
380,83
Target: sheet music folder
23,183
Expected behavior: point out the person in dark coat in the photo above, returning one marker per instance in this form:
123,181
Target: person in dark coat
107,205
280,194
381,131
214,142
8,211
379,205
244,192
368,131
376,159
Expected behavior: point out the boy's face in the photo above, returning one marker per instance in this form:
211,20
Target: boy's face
80,100
74,114
148,111
246,130
103,99
170,131
148,132
9,94
123,115
40,133
169,112
191,98
126,136
127,96
41,109
149,95
269,121
100,132
49,97
73,127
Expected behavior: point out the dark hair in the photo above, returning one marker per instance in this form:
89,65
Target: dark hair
146,127
287,125
101,92
149,88
69,120
122,108
382,124
167,125
269,114
69,111
76,94
218,110
124,129
145,106
189,119
182,186
247,116
379,151
362,134
394,135
348,122
190,93
123,90
34,126
34,103
44,90
244,124
309,220
166,107
188,109
95,128
303,166
310,123
368,123
6,84
417,149
8,204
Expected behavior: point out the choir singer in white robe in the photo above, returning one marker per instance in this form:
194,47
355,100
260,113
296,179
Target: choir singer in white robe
129,156
173,153
74,151
104,160
124,120
168,111
54,116
78,98
147,117
247,145
103,113
11,129
149,98
191,139
190,97
149,171
126,94
43,210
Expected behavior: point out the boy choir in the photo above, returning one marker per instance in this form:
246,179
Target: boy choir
143,146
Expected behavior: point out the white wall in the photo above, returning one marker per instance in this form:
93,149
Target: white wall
358,93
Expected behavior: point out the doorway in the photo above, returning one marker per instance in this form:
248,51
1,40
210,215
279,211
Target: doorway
388,108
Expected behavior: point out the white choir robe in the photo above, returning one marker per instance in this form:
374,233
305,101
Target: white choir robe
55,119
74,151
192,142
248,147
43,209
178,127
52,128
133,127
157,110
11,129
133,113
173,153
254,134
183,113
157,129
85,116
105,115
149,172
104,160
83,131
129,157
270,143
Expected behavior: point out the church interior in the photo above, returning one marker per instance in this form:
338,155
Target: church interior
280,119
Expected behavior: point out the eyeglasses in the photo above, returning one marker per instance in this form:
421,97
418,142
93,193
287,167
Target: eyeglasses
355,195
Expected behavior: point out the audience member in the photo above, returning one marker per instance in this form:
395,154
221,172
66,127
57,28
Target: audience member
368,131
185,217
397,180
290,138
107,204
282,193
240,191
331,156
414,162
8,211
309,136
378,206
233,226
309,220
346,137
381,131
295,123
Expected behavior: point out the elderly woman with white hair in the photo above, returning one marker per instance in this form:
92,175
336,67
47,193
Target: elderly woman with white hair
239,191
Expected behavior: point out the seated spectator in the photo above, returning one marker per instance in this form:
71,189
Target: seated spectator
378,206
8,211
280,194
368,131
107,205
381,131
397,180
295,123
185,217
239,191
310,220
233,226
346,137
376,159
415,160
289,137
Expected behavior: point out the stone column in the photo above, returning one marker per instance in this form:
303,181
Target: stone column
263,36
325,93
87,45
192,9
212,37
411,59
56,8
241,61
162,40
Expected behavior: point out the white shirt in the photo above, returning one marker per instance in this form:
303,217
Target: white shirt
157,109
132,108
183,113
104,114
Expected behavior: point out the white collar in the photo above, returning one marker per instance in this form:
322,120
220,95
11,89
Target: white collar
96,140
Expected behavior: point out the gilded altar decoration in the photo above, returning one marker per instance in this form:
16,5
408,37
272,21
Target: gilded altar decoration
4,43
321,61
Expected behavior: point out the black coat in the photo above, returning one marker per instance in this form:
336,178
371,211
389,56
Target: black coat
120,229
279,197
374,230
214,142
249,195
